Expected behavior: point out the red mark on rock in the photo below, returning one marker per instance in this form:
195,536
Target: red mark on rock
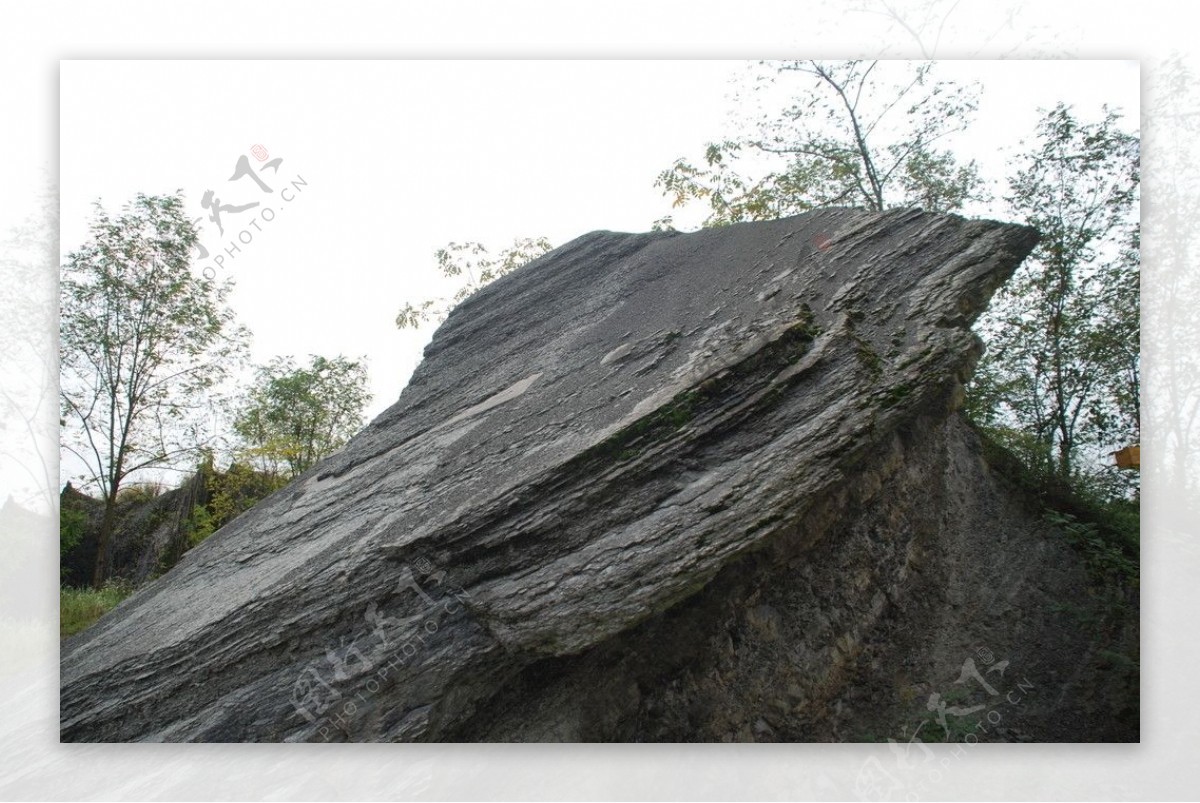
822,242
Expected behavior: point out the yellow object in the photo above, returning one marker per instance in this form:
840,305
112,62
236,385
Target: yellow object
1129,457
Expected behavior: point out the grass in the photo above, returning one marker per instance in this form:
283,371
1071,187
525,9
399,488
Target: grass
896,394
79,608
867,357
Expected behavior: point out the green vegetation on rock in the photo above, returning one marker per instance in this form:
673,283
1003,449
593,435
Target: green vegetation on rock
79,608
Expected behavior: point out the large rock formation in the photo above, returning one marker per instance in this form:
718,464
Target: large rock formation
650,486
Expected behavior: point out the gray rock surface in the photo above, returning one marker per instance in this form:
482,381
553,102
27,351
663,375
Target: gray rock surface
849,623
592,445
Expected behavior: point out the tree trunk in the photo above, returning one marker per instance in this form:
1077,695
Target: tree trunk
1065,447
107,525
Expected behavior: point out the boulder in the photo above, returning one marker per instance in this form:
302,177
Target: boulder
650,486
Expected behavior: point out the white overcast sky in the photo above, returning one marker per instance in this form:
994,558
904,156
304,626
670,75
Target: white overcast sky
401,157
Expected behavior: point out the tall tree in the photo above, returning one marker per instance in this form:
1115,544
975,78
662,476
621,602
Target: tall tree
143,340
1063,363
294,416
848,136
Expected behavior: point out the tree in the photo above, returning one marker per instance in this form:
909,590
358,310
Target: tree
470,261
143,341
846,138
229,494
294,416
1063,360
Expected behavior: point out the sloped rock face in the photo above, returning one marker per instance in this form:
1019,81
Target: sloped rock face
604,439
847,624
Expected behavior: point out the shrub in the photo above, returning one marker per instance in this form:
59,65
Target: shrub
1022,462
200,525
1107,560
72,524
230,494
139,493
